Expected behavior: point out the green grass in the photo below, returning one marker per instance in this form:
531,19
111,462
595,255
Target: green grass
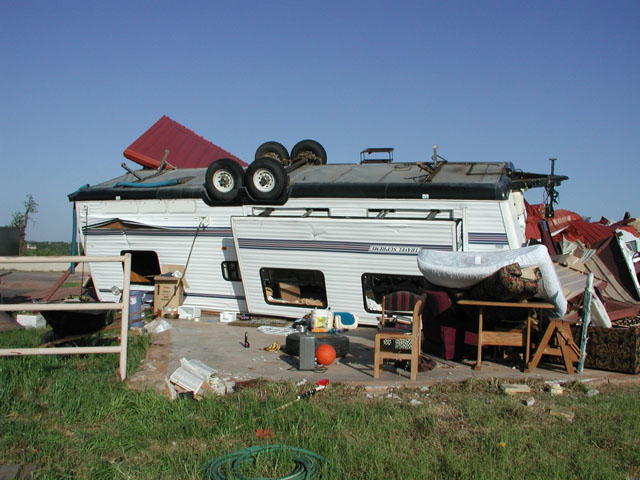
72,416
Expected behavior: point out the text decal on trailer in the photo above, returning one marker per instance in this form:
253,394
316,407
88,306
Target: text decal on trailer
393,249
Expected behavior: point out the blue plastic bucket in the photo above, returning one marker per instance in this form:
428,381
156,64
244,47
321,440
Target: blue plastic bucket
135,307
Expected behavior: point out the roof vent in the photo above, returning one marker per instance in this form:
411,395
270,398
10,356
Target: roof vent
365,155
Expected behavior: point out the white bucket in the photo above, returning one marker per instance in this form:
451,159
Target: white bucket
321,320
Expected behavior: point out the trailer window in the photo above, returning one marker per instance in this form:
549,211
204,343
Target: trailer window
231,271
285,286
377,285
144,266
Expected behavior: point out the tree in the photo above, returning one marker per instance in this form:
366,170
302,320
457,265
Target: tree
21,220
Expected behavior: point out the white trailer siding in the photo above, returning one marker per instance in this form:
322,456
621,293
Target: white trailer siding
167,227
342,249
489,225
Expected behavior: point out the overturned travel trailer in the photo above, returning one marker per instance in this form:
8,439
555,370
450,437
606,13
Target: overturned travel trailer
286,236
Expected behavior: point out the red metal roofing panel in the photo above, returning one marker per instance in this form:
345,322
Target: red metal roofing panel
571,226
590,234
186,148
535,213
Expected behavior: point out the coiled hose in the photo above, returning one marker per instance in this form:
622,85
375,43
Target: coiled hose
227,467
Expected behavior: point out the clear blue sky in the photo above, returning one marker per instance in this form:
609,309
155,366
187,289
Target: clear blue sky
517,81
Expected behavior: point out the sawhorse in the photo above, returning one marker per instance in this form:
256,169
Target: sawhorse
557,341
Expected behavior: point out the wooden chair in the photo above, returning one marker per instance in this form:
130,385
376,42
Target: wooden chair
515,337
389,342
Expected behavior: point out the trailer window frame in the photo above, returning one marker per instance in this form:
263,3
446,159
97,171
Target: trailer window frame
292,287
377,285
231,271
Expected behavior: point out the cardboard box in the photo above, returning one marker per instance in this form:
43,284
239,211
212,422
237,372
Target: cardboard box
289,293
174,269
168,292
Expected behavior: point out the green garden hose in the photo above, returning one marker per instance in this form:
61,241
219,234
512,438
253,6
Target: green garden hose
226,467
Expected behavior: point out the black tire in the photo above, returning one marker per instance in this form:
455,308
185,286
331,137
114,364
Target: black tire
223,179
273,150
310,146
265,179
339,342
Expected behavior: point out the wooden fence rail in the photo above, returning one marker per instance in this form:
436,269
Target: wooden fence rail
123,306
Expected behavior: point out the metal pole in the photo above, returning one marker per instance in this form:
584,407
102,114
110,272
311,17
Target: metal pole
124,321
586,320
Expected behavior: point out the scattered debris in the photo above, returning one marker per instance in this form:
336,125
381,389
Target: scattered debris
514,388
197,378
566,414
592,392
320,385
274,347
556,389
158,326
264,433
31,320
271,330
530,402
413,402
171,389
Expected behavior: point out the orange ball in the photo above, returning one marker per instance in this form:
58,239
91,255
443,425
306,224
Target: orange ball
325,354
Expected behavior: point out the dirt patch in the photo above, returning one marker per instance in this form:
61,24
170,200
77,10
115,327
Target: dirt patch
154,366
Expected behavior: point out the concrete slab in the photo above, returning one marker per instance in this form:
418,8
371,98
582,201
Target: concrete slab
220,346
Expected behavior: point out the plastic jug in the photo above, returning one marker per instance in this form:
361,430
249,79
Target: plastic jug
321,320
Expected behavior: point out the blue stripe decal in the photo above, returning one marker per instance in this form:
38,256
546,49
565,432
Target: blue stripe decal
485,238
223,232
213,295
336,247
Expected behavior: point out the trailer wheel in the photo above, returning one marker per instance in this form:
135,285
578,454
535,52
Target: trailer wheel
265,179
339,342
223,179
273,150
310,148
